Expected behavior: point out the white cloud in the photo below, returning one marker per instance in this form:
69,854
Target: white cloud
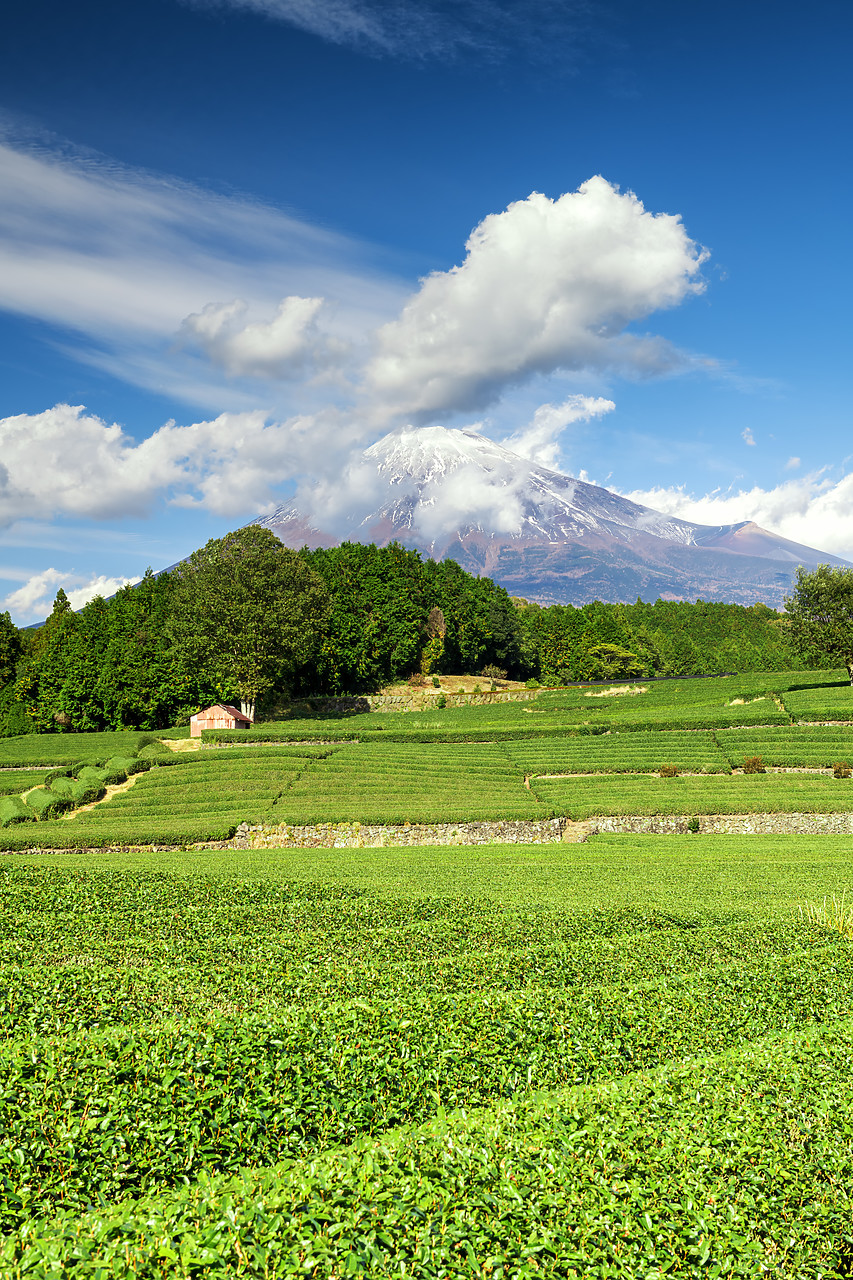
539,440
747,436
34,600
546,285
421,30
793,464
67,462
120,258
283,347
811,510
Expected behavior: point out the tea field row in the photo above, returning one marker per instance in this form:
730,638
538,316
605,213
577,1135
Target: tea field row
238,1072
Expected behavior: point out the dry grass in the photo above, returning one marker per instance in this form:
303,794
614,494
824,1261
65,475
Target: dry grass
110,792
617,691
836,916
453,684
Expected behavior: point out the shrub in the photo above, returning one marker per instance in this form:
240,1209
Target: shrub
841,769
436,683
47,804
754,764
669,771
13,810
491,672
532,684
441,702
417,680
693,826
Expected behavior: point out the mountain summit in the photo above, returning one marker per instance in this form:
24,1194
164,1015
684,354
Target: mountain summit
541,534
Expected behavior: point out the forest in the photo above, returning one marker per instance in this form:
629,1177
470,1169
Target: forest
382,614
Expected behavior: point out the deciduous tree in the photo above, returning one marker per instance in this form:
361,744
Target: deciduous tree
819,615
250,605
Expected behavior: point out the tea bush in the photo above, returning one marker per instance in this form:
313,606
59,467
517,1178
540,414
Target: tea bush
219,1074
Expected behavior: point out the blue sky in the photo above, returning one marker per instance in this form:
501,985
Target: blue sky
242,239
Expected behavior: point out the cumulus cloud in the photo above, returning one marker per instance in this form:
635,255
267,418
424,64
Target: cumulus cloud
793,464
284,347
812,510
34,600
747,436
546,285
67,462
539,440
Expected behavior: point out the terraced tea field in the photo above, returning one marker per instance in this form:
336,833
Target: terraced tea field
507,762
629,1057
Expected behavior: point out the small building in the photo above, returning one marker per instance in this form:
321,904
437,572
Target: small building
220,716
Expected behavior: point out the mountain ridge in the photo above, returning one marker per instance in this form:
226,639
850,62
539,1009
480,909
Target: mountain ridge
540,533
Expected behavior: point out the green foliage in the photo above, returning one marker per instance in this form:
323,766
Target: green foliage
819,615
393,613
643,752
86,748
11,648
219,1075
248,606
804,746
109,667
624,794
827,702
668,638
13,810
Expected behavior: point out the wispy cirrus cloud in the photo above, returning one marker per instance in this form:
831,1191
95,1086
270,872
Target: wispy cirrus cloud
423,30
118,260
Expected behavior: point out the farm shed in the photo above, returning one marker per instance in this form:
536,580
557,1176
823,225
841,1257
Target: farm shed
221,716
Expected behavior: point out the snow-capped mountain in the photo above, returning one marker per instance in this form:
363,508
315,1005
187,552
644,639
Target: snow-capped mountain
542,534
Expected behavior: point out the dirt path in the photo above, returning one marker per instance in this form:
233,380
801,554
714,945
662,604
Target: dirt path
111,791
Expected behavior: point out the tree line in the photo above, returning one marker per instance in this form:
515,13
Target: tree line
247,620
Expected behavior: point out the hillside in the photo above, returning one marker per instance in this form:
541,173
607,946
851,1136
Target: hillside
539,533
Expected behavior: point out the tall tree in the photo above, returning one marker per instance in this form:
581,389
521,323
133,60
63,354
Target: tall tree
249,605
10,649
819,615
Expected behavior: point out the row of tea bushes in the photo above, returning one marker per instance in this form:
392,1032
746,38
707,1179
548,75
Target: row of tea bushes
805,746
625,794
737,1166
67,788
137,1058
643,752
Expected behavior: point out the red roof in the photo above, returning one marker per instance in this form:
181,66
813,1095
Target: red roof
223,706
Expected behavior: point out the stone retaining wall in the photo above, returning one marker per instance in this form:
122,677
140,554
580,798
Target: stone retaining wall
356,835
729,824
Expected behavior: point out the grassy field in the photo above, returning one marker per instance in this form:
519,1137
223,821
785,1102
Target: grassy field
627,1058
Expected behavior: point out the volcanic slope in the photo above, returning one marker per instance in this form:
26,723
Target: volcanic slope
542,534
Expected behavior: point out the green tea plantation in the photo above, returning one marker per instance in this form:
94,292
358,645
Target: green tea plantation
630,1057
